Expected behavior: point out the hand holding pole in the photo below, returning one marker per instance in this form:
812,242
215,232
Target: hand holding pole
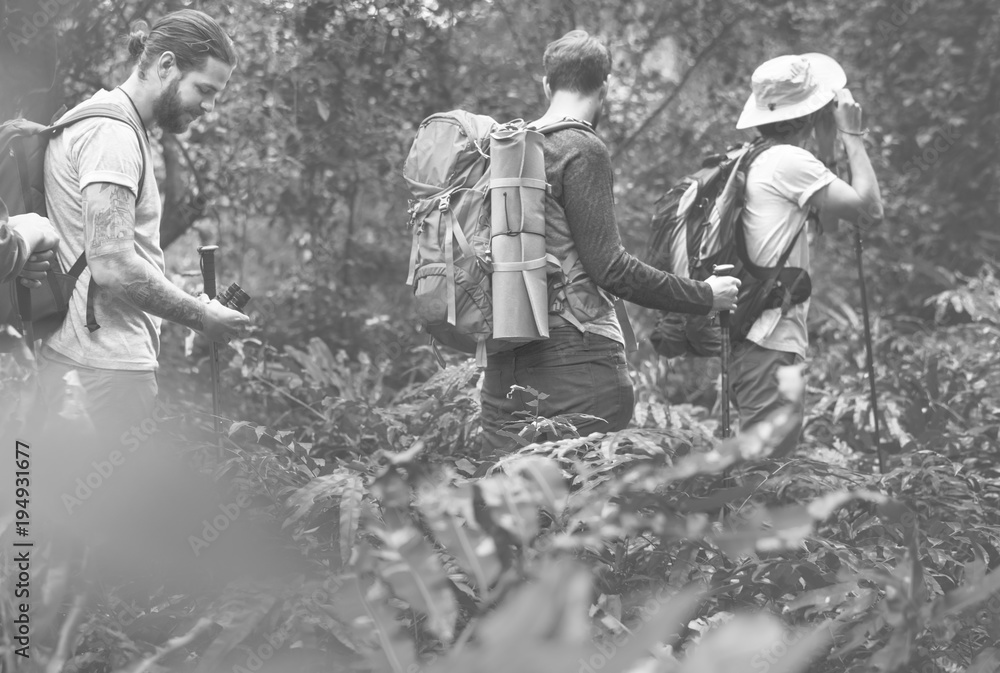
724,270
207,253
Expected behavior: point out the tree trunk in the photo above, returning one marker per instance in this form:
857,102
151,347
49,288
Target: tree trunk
181,207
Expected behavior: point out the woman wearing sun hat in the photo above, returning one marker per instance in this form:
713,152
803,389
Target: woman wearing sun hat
794,99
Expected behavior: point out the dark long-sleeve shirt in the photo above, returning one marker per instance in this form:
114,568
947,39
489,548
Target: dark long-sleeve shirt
578,167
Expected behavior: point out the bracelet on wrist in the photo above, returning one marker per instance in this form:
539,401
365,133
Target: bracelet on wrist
863,132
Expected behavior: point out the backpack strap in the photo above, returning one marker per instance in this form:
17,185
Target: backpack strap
106,111
93,111
563,309
563,124
24,312
762,272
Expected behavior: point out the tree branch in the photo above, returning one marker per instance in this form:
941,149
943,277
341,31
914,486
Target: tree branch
625,144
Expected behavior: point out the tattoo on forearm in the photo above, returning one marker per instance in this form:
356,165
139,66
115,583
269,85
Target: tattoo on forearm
149,294
111,213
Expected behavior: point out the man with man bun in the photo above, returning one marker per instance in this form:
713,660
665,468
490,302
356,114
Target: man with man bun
102,202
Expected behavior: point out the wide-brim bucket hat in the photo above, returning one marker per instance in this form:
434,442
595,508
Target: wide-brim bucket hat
791,86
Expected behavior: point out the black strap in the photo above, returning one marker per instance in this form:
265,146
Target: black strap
563,124
79,265
764,272
761,272
24,309
91,315
106,111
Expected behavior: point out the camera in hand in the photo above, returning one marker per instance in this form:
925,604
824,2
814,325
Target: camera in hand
234,297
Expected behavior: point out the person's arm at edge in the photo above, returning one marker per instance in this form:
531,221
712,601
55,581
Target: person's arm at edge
14,251
589,205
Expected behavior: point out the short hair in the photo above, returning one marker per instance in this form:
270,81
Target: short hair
787,128
577,62
191,35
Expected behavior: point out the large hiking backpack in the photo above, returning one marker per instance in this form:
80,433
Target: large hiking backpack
448,173
39,312
698,224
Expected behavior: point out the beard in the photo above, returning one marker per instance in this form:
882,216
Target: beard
169,114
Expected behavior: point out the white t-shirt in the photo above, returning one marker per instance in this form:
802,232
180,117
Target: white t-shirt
779,184
88,152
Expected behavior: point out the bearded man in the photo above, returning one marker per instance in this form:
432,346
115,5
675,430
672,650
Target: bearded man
102,199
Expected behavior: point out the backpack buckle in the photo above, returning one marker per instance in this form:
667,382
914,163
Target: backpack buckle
444,202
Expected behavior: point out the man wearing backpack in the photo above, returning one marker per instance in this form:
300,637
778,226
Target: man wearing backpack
581,368
103,200
793,99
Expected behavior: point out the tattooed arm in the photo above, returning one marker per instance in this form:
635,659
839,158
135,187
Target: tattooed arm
116,266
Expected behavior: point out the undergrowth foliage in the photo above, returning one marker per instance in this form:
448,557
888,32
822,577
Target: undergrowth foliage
394,545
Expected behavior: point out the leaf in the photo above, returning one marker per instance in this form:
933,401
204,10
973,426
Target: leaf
237,426
328,486
399,652
511,505
987,661
415,574
554,606
669,615
323,109
826,598
350,515
788,527
965,597
546,474
821,508
753,642
452,519
242,606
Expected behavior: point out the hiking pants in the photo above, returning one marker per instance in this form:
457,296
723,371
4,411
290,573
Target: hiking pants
753,383
116,401
579,374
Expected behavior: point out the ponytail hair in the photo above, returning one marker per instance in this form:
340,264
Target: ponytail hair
191,36
137,41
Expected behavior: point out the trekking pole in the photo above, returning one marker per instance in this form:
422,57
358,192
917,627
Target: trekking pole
869,352
207,253
724,270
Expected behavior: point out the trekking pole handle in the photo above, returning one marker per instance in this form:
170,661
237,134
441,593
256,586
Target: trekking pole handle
723,270
207,254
